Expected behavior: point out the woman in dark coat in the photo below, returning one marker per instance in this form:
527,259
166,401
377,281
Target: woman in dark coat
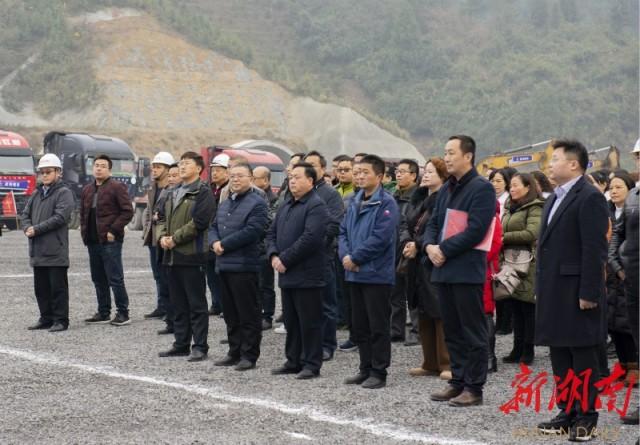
421,293
617,319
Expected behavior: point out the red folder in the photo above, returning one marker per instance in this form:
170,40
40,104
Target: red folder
455,222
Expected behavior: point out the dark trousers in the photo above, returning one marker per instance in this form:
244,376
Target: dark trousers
239,291
504,313
329,308
524,322
213,281
266,288
52,293
631,284
302,311
160,277
578,359
465,331
625,347
371,314
188,297
399,307
105,261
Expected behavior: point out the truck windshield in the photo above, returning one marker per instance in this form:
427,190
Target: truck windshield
16,164
121,167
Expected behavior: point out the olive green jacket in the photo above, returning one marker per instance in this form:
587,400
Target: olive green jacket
187,222
520,229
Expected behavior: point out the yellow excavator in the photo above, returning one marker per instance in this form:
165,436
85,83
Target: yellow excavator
536,156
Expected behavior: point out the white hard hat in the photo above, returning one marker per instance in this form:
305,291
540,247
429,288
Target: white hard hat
49,160
163,158
222,160
636,148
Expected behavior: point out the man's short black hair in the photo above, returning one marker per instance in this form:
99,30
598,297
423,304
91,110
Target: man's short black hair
323,160
342,158
174,165
196,158
413,167
298,155
104,157
467,145
575,148
360,154
309,171
376,162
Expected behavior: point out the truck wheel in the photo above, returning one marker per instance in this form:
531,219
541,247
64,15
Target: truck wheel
136,222
74,222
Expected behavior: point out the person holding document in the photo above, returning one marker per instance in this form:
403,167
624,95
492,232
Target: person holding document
456,240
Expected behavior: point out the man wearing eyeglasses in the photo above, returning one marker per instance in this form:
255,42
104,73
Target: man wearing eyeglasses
45,221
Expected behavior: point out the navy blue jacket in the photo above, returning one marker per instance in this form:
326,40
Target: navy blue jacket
297,236
476,196
240,225
368,235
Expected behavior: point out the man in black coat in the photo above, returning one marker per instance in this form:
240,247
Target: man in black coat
460,270
45,220
235,236
335,208
570,284
296,248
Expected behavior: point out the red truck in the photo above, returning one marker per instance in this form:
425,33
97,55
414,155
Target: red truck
253,156
17,176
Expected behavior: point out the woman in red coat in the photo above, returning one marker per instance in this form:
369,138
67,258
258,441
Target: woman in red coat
489,303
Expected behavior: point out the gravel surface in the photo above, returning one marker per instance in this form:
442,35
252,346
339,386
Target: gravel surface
106,384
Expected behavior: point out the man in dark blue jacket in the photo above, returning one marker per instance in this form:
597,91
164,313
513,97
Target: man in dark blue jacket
335,208
235,236
460,271
296,248
367,250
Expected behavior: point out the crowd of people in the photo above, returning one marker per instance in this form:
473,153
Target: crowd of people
413,255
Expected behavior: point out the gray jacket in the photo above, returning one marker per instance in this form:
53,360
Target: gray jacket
49,217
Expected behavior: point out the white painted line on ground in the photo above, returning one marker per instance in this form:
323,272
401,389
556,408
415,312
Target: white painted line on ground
77,274
369,425
298,435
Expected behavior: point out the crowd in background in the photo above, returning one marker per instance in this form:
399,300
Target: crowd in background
418,255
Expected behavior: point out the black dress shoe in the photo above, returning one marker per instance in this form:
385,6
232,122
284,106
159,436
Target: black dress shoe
173,352
57,327
397,339
560,424
227,361
307,374
197,355
165,331
356,379
244,365
156,313
583,430
266,325
374,382
213,311
40,325
284,370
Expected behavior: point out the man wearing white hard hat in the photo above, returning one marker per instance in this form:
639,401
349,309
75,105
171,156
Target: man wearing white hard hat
219,183
160,176
45,221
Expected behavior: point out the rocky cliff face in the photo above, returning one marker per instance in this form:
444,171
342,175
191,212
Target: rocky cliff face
159,91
